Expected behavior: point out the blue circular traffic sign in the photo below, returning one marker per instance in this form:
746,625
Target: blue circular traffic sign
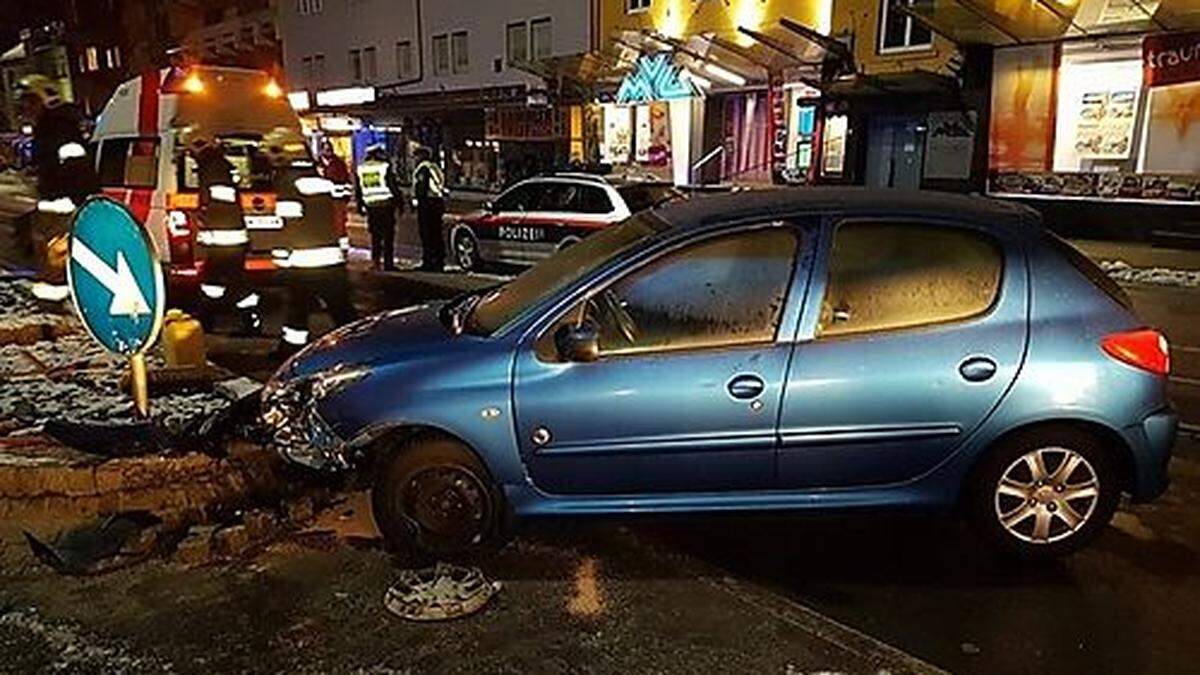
115,278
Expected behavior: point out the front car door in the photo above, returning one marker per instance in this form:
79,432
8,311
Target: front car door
913,333
694,345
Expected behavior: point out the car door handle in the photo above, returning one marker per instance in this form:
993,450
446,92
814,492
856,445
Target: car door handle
746,386
977,369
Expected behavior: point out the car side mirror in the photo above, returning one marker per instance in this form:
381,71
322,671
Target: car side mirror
578,343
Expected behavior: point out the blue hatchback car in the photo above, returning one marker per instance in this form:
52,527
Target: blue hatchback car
815,350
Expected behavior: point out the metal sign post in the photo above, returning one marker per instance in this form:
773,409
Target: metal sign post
117,286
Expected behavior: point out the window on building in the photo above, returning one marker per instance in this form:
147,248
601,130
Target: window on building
303,7
114,57
458,49
638,5
441,54
899,31
356,65
306,66
889,276
541,38
725,292
319,69
516,42
370,64
93,58
404,60
318,6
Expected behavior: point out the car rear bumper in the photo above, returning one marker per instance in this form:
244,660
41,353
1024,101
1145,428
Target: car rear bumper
1152,442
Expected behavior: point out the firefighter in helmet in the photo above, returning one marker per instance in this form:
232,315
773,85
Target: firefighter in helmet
66,177
222,239
377,195
314,264
429,192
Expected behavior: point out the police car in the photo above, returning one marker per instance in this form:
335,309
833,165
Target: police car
539,216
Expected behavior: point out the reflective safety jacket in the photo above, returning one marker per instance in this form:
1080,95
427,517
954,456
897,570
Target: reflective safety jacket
308,207
220,218
374,183
429,181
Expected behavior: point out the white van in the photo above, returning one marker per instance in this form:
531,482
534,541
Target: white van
144,139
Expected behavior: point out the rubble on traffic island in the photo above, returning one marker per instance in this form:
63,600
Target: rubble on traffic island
74,457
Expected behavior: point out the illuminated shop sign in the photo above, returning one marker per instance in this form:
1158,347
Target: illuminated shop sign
656,78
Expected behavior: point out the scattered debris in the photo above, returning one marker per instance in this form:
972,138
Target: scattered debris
89,548
1129,524
1160,276
439,593
74,651
970,648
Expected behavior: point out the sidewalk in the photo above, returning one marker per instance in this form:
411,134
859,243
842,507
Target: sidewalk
1139,255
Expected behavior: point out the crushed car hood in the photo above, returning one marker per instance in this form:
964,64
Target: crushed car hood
379,339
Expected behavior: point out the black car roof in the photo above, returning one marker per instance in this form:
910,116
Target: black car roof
705,209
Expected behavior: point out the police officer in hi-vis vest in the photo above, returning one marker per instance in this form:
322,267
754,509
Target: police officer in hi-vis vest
377,195
429,192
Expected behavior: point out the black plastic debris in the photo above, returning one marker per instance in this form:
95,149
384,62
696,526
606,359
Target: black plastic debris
439,593
84,549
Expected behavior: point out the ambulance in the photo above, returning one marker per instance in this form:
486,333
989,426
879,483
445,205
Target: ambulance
144,141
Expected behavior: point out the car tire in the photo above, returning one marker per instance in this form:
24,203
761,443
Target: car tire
1022,503
433,498
465,248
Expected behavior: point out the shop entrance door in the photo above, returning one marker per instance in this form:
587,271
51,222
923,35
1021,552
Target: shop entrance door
896,151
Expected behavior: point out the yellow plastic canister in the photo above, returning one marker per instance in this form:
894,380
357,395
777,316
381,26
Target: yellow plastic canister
183,340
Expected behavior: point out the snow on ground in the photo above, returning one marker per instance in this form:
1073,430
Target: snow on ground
1123,272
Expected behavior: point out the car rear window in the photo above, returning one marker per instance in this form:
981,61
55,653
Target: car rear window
1091,270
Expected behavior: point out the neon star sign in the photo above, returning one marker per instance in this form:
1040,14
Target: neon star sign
655,78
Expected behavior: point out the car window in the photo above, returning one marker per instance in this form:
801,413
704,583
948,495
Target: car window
722,292
642,197
129,162
500,306
518,198
557,197
594,199
885,276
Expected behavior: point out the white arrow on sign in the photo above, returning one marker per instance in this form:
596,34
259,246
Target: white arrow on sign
127,297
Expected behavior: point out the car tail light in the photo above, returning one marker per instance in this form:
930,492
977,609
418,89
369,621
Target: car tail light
1145,348
181,234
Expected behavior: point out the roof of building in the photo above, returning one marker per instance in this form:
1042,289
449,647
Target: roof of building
704,209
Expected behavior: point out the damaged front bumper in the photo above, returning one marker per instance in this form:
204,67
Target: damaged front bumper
298,432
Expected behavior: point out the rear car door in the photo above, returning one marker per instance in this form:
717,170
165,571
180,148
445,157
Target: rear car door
498,231
913,333
686,392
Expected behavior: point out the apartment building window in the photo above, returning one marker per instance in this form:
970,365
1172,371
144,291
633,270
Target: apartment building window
541,38
516,42
319,68
93,59
306,7
404,60
356,65
638,5
899,32
458,50
306,66
370,64
441,54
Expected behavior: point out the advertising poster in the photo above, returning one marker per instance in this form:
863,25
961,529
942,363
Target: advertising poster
1022,123
1173,130
618,134
1105,126
950,144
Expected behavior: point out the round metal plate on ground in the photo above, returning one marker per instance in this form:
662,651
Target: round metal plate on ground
439,593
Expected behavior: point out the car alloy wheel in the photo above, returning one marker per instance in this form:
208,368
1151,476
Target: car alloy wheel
466,250
1047,495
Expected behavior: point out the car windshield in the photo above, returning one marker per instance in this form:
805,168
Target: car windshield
503,304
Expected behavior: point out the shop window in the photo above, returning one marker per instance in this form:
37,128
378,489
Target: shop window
541,38
404,60
356,65
899,31
724,292
516,42
441,54
638,5
370,64
459,52
129,162
833,148
890,276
